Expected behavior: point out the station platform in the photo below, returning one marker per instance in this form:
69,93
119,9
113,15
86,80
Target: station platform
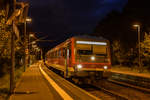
39,83
131,73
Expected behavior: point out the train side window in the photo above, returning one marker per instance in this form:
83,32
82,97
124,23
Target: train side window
64,52
69,48
56,52
53,54
49,54
59,52
69,52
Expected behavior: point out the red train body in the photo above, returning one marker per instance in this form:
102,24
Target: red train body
81,57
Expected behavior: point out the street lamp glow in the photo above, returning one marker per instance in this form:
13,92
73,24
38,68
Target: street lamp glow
136,25
28,19
31,35
33,42
37,49
34,46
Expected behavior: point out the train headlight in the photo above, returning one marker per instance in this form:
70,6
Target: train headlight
79,66
105,67
92,58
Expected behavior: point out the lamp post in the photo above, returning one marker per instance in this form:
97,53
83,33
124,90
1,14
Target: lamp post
12,20
26,40
12,69
139,58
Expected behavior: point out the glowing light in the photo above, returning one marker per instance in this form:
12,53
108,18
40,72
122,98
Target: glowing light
28,19
136,25
33,42
93,58
105,67
34,46
90,42
31,35
79,66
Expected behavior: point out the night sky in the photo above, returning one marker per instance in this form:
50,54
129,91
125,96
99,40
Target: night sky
59,18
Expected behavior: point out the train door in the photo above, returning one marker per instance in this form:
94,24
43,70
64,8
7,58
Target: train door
67,61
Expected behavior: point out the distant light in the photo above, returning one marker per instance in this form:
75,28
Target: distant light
28,19
90,42
79,66
92,58
105,67
136,25
34,46
33,42
31,35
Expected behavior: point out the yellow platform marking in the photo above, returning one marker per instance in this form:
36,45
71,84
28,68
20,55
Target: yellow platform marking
61,92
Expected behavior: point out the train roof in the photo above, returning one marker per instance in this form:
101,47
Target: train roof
90,37
80,37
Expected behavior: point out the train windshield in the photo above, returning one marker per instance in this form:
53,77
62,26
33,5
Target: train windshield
84,52
87,49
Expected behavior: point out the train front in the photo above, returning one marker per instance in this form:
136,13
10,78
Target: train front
92,57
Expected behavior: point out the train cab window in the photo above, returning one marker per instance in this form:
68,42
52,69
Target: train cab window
84,49
100,50
84,52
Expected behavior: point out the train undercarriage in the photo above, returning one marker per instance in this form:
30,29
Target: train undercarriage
82,76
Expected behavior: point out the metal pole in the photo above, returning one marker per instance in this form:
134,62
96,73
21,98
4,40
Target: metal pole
41,55
12,69
25,47
25,40
140,67
29,48
12,76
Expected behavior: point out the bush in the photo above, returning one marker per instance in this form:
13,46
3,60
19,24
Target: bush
4,65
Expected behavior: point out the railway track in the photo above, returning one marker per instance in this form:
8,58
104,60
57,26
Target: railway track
125,84
102,93
138,81
99,92
114,90
122,91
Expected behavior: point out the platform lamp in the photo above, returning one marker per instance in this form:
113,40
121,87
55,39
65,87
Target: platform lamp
139,50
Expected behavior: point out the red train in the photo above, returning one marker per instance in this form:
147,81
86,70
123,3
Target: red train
81,56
